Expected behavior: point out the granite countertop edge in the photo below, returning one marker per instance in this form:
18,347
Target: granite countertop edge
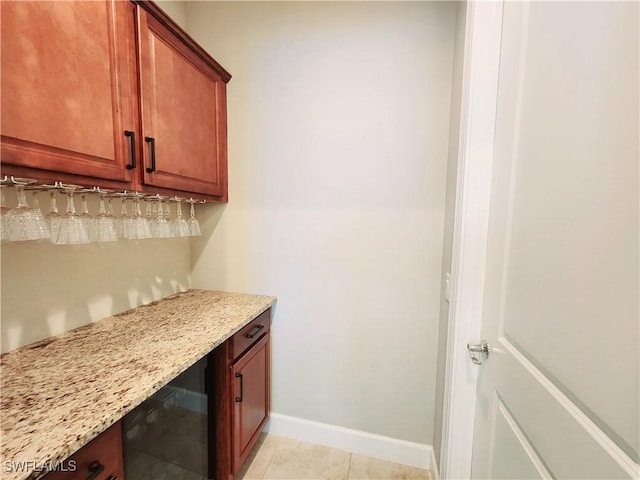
153,343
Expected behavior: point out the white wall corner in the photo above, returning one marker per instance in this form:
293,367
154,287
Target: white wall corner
419,455
433,466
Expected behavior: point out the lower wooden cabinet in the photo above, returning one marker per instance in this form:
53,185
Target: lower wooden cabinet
101,459
250,376
242,403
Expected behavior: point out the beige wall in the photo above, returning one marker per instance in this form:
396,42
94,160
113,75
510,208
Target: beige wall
176,10
450,204
338,137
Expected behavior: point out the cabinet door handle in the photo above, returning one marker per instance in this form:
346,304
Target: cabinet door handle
239,399
152,142
95,469
254,331
132,145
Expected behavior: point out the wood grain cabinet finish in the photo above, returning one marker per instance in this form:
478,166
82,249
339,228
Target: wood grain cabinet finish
250,376
101,459
184,108
66,88
111,93
241,375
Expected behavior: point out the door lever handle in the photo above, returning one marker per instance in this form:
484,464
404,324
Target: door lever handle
479,352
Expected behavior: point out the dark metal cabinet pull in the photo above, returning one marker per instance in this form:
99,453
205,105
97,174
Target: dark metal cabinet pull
95,469
239,399
254,331
151,141
132,145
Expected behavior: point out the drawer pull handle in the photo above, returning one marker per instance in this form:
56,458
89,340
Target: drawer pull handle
95,469
152,141
132,142
254,331
111,477
239,399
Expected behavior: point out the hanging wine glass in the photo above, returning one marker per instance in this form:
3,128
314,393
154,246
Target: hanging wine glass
110,213
3,212
123,221
194,225
72,229
161,226
53,216
84,216
22,224
149,216
139,225
153,219
37,216
103,227
167,217
180,225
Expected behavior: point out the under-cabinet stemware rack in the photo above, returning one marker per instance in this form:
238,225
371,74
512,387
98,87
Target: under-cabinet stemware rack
29,223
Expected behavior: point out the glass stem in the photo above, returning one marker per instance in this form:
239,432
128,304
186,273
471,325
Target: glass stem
84,209
53,203
101,209
71,207
22,199
36,201
160,210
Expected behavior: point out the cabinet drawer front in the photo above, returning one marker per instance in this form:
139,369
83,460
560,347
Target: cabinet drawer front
105,449
250,334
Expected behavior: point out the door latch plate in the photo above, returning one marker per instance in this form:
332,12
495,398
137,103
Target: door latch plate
478,352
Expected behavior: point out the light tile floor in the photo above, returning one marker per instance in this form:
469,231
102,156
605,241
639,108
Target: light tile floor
281,458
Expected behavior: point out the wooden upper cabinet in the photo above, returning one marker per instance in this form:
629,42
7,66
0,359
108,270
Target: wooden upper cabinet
77,75
66,83
183,99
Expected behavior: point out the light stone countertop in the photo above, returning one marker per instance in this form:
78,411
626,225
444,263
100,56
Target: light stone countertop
59,394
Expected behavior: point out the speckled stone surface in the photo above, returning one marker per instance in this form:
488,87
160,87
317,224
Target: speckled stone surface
59,394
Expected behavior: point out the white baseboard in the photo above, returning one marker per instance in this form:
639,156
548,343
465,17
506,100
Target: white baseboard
418,455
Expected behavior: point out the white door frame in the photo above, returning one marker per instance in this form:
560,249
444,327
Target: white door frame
483,31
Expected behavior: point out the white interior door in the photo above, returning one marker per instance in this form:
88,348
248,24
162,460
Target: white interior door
558,396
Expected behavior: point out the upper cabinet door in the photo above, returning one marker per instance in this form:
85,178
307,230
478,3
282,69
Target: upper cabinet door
183,96
66,87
